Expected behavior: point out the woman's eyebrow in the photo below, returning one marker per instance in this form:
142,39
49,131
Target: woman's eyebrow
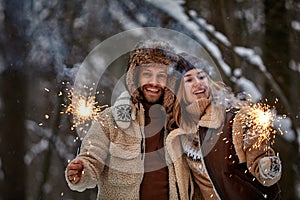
187,75
201,73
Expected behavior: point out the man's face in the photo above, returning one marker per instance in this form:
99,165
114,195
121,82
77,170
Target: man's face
152,82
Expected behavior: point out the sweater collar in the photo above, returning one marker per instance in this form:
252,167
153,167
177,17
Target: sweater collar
213,117
210,115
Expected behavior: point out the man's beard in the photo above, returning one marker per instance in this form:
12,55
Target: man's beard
152,97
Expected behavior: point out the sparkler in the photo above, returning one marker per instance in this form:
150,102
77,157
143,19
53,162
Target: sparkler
259,123
84,108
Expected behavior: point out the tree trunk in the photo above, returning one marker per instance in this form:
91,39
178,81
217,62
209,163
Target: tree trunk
13,96
12,87
276,56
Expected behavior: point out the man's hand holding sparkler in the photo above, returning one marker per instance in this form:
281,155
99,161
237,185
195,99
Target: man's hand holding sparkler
75,171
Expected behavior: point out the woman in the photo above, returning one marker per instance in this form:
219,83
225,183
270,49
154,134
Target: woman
215,143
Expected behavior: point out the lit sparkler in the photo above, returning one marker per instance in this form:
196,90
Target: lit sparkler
259,123
84,108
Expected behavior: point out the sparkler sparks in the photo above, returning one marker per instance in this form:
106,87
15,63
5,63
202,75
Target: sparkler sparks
84,108
262,116
259,125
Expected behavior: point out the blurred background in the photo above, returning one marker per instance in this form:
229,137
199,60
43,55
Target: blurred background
255,44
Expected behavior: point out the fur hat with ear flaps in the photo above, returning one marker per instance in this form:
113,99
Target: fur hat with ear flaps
146,52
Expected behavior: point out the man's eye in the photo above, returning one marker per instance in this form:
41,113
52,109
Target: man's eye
162,76
146,74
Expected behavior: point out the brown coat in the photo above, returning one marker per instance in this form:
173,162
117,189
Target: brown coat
232,179
231,170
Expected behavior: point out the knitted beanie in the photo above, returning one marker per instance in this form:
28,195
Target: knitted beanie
188,62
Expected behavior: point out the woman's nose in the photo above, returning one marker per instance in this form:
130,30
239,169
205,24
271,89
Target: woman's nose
196,82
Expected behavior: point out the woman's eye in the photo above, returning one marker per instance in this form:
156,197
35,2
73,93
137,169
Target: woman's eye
188,80
201,77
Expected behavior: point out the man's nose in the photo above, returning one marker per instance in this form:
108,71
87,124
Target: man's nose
153,80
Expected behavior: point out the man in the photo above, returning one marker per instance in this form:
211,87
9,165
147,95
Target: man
123,152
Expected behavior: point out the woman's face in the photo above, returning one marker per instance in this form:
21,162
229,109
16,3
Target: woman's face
195,85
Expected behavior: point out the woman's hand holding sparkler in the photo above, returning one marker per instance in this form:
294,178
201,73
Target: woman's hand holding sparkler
253,135
270,167
258,136
75,171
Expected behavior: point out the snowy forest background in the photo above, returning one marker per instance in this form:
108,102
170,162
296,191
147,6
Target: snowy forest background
44,42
